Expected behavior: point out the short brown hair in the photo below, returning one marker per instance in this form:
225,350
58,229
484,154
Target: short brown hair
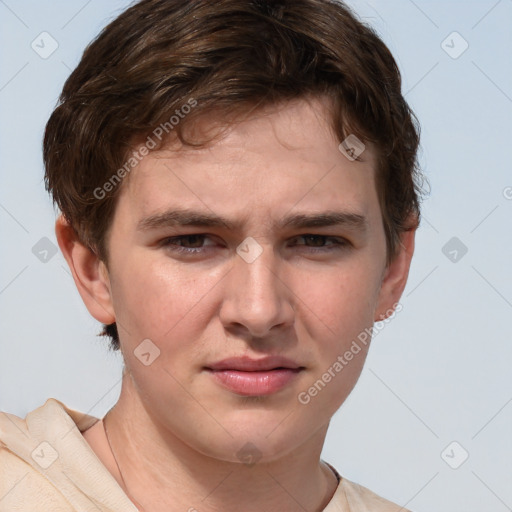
232,55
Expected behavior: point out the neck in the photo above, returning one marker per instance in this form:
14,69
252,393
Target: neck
158,472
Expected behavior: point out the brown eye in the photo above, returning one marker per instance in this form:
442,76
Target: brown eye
322,242
194,241
188,244
315,240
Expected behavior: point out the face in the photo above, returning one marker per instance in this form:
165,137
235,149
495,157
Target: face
248,267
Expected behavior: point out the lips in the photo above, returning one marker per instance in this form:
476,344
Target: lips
247,364
254,377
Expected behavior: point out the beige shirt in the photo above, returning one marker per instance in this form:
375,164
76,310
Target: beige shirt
47,465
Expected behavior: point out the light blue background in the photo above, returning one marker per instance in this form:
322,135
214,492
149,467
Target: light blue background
440,372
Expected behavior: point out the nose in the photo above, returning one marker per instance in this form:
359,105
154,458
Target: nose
256,296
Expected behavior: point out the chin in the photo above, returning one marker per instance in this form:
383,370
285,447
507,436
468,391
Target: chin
256,438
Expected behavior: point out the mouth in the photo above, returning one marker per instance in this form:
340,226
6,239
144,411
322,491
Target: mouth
254,377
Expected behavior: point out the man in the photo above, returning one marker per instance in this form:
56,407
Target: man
238,188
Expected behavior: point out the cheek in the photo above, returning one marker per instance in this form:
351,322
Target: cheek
160,301
339,312
338,315
342,299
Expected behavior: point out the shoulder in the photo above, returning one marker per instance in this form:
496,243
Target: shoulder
28,455
361,499
23,488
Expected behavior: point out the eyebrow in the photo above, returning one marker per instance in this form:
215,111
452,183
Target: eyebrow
192,218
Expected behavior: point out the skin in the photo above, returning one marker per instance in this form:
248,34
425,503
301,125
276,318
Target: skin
176,432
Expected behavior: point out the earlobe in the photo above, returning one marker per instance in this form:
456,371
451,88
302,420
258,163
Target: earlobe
395,277
88,271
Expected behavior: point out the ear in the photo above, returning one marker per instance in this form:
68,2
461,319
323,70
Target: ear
395,277
89,273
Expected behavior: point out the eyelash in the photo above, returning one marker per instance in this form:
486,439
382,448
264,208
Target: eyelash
338,244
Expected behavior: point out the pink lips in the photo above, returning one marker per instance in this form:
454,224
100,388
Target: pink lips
254,377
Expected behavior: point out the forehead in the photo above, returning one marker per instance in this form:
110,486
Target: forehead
280,159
